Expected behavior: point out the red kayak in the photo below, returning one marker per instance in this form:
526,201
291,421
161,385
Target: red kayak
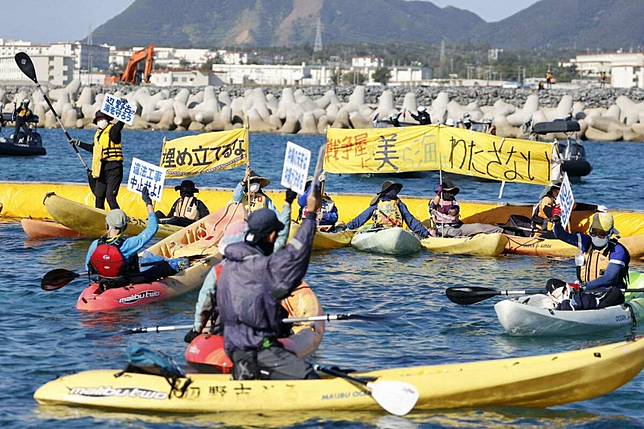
189,241
206,352
41,230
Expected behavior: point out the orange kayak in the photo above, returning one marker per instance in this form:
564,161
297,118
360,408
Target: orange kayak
41,230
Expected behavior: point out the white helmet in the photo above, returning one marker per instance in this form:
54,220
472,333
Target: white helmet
449,122
422,108
25,102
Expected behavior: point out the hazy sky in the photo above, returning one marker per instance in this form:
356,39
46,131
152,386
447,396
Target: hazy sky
69,20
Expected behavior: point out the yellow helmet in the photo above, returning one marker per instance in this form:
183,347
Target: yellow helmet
602,222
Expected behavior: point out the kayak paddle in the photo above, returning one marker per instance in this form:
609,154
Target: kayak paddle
325,317
395,397
27,67
56,279
473,294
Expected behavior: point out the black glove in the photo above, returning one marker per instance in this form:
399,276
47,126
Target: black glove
290,196
191,335
145,196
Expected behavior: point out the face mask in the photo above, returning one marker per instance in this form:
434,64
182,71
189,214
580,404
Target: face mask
102,123
448,197
599,242
254,187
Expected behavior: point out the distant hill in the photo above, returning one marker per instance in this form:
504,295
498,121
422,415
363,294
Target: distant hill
213,23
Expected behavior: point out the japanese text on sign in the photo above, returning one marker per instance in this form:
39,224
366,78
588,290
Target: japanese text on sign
204,153
143,174
118,109
566,200
296,167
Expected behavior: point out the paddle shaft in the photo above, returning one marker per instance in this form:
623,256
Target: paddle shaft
340,374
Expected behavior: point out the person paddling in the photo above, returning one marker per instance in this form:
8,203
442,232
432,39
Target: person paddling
602,266
445,215
388,211
187,208
252,280
107,160
114,258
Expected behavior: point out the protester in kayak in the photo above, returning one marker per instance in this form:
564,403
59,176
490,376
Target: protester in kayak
386,210
207,295
187,208
422,117
258,199
114,258
329,212
602,266
252,280
21,116
445,213
106,174
544,211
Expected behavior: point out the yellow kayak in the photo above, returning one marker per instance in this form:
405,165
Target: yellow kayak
535,381
90,221
478,245
326,240
535,246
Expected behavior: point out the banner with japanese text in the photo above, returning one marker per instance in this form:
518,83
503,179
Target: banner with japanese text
204,153
433,147
496,158
381,150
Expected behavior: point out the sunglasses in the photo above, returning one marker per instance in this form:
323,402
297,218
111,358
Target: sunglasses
598,233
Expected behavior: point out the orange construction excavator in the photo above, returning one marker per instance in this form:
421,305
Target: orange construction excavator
131,74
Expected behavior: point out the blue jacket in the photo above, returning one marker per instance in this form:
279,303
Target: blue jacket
329,216
252,285
618,258
409,219
132,245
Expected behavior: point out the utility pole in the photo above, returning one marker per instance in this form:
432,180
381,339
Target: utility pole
442,59
317,46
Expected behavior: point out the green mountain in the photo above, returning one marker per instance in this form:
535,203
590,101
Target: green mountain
216,23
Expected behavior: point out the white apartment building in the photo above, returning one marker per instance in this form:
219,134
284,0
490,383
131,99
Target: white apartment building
193,78
370,61
232,57
626,70
53,69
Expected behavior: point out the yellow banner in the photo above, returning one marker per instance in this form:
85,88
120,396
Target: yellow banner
204,153
496,158
381,150
433,147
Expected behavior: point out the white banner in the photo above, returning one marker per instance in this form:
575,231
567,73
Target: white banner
144,174
566,200
118,109
296,167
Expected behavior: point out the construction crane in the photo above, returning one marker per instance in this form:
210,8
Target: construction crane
132,75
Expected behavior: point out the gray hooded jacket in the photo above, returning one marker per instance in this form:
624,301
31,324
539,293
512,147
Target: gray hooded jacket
252,285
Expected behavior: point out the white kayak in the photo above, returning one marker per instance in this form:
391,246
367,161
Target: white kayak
533,316
392,241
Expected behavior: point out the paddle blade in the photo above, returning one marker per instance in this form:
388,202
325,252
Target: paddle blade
26,66
470,295
367,317
56,279
395,397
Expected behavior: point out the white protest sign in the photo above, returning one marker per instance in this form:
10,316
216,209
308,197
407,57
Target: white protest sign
118,109
566,200
296,167
144,174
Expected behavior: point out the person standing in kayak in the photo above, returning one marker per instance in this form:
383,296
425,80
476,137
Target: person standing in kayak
445,215
187,208
386,210
21,116
252,281
206,308
544,211
328,213
114,258
106,174
602,266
